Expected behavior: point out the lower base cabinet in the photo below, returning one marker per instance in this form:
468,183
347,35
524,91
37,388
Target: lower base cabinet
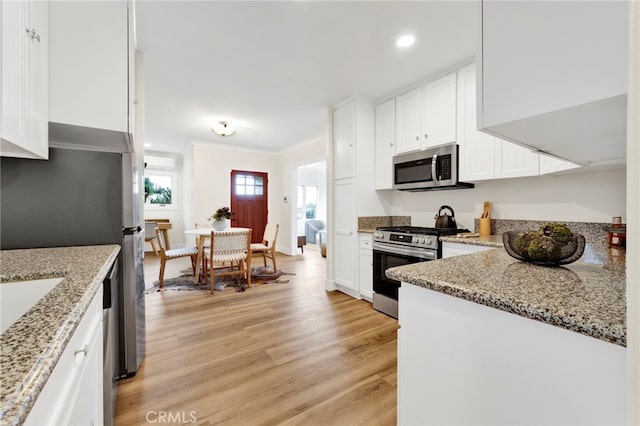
73,392
365,266
459,249
463,363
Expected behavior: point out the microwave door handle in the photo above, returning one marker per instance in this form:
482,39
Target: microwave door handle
434,160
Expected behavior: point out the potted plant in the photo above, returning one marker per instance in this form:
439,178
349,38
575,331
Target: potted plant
221,218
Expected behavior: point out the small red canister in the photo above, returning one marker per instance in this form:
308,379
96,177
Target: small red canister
617,233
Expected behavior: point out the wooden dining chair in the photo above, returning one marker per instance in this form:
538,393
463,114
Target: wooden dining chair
268,245
165,255
229,254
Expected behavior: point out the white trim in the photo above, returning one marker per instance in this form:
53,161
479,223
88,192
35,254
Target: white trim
80,147
232,147
633,215
302,144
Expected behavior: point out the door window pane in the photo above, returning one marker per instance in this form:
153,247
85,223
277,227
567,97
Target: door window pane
249,185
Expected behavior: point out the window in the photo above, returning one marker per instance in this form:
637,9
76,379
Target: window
159,190
249,185
307,201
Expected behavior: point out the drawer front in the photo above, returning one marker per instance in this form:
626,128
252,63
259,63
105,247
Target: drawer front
50,406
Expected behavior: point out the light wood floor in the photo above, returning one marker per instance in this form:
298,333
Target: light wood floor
276,354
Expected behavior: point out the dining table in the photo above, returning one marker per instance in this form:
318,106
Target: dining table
202,234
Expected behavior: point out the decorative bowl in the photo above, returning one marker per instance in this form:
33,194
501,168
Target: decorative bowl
543,250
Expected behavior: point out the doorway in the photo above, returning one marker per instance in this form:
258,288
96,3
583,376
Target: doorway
311,204
249,203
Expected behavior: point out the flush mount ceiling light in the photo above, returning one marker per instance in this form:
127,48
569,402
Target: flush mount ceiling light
405,40
223,128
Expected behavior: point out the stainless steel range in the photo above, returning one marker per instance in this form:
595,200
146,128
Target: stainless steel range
397,246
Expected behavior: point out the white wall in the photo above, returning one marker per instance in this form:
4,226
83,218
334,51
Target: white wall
211,167
310,151
582,197
187,193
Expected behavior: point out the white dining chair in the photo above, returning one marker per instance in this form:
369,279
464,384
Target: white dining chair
229,254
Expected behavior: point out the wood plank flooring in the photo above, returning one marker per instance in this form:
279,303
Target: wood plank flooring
276,354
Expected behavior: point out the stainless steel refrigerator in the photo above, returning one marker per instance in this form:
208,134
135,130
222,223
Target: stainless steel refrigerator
83,198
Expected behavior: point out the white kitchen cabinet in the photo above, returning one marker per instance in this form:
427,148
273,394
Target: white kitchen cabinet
73,392
352,196
385,143
477,150
344,236
438,115
500,367
24,59
535,93
98,91
408,121
459,249
483,156
515,161
550,164
426,116
365,266
344,141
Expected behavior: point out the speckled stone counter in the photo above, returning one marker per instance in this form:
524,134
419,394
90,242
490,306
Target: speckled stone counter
587,296
371,223
484,240
32,346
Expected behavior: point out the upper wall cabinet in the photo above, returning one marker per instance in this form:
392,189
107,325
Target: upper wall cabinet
344,141
91,73
385,143
24,113
408,121
483,156
426,116
553,76
439,111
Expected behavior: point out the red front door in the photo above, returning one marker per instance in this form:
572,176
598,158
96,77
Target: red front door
249,201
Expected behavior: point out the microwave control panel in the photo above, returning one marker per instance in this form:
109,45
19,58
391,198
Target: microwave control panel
444,167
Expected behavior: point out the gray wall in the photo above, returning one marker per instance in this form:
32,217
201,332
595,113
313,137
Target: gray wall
74,198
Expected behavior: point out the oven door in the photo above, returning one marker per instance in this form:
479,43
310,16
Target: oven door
385,256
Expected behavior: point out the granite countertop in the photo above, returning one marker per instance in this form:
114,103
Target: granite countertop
483,240
32,346
587,296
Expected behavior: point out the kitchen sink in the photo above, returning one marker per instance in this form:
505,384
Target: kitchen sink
18,297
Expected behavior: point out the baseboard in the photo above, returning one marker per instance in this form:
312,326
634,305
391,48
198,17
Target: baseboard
348,291
330,285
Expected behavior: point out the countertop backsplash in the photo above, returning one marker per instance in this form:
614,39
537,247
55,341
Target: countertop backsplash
594,233
371,223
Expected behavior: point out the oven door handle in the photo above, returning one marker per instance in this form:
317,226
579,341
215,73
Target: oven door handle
387,248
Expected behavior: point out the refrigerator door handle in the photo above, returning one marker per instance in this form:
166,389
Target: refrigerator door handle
131,230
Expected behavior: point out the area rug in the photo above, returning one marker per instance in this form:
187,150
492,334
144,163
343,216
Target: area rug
184,282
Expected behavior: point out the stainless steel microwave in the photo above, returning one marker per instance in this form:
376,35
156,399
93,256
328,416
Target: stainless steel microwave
429,169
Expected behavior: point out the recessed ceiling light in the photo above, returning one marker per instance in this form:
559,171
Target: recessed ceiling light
405,40
147,145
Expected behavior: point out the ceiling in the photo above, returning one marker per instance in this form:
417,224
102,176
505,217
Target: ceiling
272,69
